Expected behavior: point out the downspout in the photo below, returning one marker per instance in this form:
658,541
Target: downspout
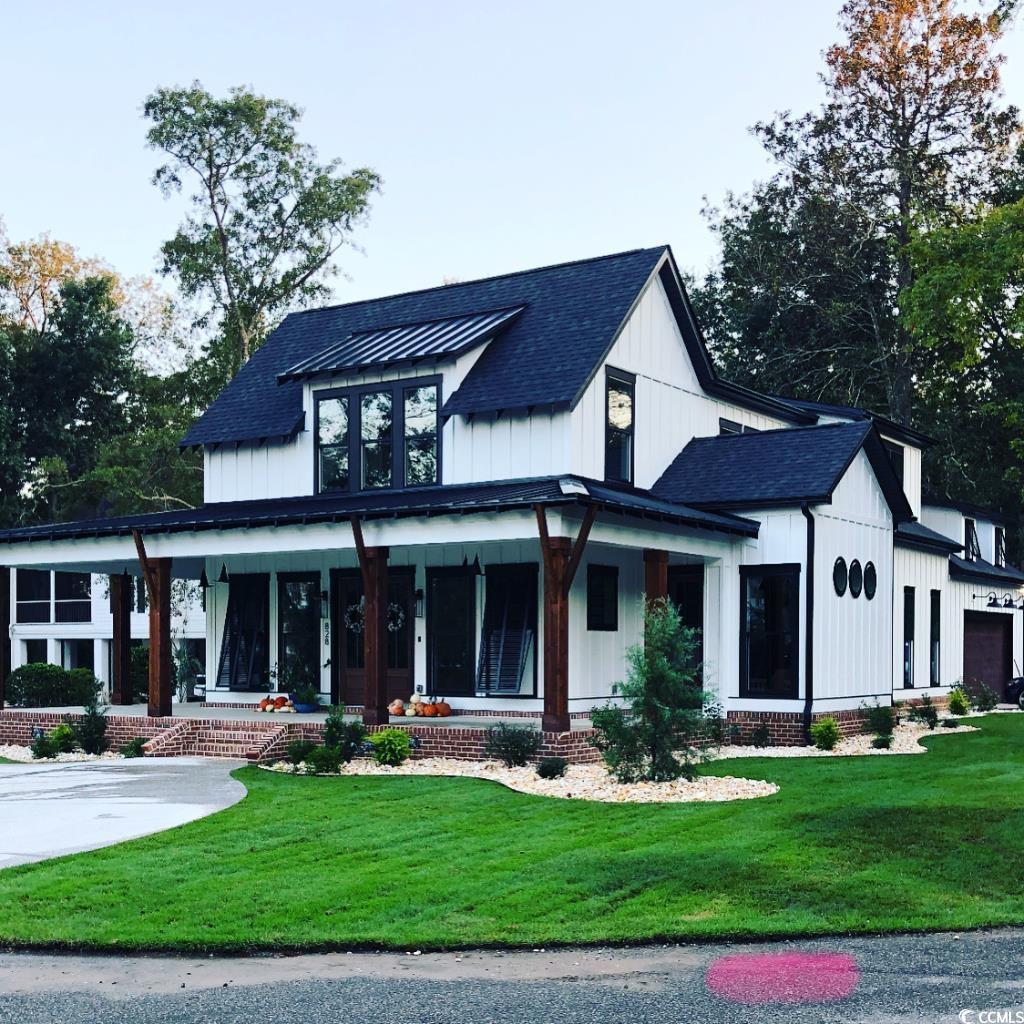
809,626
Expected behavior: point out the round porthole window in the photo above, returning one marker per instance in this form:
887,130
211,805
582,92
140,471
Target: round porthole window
839,577
870,580
856,579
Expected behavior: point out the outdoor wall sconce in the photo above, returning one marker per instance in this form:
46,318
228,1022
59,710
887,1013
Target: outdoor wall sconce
1008,601
419,602
325,605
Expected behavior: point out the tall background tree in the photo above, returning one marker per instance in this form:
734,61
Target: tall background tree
819,263
266,218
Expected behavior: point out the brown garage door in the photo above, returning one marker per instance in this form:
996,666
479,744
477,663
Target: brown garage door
987,650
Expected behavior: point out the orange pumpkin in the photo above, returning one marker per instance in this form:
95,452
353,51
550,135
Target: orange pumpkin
444,709
429,710
264,704
279,702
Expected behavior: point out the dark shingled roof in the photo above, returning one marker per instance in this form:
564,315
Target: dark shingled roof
979,569
448,499
917,535
777,467
545,357
887,426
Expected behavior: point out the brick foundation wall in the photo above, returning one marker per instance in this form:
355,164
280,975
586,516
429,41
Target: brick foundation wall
786,728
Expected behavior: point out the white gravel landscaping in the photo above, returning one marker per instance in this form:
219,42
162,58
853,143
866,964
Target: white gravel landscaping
580,782
904,741
24,754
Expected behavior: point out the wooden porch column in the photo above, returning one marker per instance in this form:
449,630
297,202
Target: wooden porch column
375,637
5,624
655,574
556,634
160,682
121,610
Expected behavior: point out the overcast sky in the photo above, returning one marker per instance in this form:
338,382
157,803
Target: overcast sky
509,135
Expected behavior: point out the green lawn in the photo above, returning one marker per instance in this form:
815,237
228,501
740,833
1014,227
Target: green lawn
848,845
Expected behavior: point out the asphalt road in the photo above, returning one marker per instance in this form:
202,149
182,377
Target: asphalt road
974,977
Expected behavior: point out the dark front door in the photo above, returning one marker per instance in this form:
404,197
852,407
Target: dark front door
244,648
451,632
686,592
347,656
988,640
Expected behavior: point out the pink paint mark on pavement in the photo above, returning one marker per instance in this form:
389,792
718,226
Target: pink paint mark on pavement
783,977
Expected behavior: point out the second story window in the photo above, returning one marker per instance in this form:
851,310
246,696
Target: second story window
72,593
384,435
1000,546
32,596
618,438
972,550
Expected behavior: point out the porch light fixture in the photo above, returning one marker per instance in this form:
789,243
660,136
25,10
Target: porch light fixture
223,577
993,599
204,582
325,605
1007,601
419,602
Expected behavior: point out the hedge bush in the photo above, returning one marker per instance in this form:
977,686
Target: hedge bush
50,686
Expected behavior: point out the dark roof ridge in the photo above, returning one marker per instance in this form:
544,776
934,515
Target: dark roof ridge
478,280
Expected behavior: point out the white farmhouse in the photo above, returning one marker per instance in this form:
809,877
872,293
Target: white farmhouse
468,490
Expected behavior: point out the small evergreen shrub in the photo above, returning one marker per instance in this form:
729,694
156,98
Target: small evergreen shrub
91,728
298,750
984,697
50,686
552,767
761,735
323,761
42,747
958,702
513,745
138,673
879,719
925,712
134,747
661,733
825,733
882,741
63,739
347,737
391,747
950,723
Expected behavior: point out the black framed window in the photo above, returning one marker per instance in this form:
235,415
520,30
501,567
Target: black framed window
620,389
332,443
77,654
972,550
377,436
243,652
770,631
935,638
32,595
602,598
72,593
896,458
298,630
908,637
728,427
840,576
856,579
1000,551
870,581
420,434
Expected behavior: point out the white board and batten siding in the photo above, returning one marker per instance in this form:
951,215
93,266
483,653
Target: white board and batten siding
853,636
670,407
926,572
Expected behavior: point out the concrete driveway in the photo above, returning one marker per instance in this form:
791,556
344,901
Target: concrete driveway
49,810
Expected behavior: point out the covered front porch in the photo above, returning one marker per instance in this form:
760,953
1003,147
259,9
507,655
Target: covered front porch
512,602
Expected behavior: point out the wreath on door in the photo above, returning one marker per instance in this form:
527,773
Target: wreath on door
355,617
